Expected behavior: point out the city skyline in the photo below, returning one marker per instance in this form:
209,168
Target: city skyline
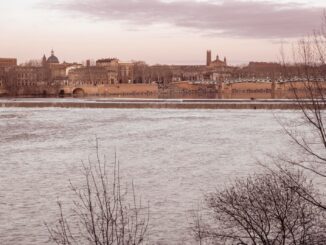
165,32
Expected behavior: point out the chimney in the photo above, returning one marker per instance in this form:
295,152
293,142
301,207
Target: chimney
88,63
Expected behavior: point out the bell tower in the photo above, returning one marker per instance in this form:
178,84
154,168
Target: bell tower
208,57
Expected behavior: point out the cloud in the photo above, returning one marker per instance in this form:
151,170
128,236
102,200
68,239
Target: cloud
235,18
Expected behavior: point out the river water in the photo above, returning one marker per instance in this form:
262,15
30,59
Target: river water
174,157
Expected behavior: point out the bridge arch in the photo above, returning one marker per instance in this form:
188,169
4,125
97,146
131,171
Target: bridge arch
61,93
78,92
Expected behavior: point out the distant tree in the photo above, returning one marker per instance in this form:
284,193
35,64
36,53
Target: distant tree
140,72
103,212
10,83
34,63
262,209
162,74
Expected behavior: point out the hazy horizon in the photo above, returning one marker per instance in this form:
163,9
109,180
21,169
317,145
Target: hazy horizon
155,31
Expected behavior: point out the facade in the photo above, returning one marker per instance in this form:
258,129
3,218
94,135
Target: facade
105,72
37,79
109,63
111,66
92,75
3,77
8,62
29,76
117,72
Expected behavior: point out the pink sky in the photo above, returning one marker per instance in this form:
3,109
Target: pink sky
156,31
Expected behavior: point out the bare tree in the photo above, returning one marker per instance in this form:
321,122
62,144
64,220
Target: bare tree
32,63
262,209
307,131
103,211
141,71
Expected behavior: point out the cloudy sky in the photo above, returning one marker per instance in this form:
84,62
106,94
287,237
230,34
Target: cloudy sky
156,31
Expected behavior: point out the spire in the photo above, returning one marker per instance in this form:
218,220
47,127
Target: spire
44,60
52,52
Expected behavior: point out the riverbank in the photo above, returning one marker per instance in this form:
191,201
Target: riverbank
153,103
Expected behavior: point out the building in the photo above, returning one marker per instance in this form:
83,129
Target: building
90,75
8,62
109,63
214,63
111,66
214,70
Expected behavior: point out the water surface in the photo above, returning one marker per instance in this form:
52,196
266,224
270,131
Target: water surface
173,156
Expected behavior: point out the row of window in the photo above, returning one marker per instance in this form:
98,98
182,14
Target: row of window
305,90
33,83
26,83
251,90
93,83
28,75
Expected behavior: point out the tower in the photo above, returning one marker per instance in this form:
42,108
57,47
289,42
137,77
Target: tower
44,61
209,57
225,61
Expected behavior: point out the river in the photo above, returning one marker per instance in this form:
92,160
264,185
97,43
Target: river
174,157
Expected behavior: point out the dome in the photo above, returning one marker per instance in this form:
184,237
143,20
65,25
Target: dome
53,59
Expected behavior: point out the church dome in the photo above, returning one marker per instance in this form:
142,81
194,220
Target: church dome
52,59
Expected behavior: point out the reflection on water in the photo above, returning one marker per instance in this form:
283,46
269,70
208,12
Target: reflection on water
173,156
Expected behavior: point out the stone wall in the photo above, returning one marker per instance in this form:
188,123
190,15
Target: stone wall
188,87
113,89
131,89
247,90
159,104
270,90
243,90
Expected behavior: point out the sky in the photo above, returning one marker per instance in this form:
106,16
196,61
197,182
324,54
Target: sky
155,31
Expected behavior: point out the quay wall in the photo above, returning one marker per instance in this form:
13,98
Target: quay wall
83,90
113,89
155,105
237,90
